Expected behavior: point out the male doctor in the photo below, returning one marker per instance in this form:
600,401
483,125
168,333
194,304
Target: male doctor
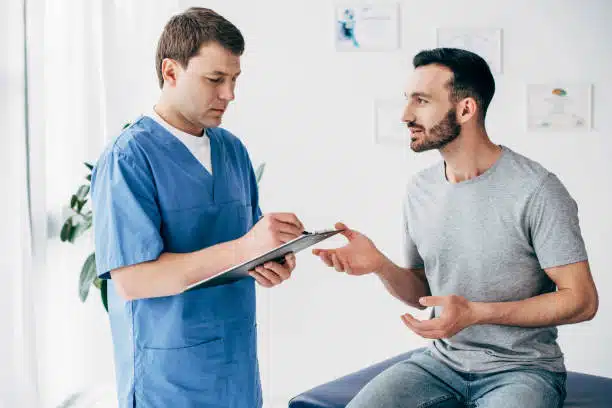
175,200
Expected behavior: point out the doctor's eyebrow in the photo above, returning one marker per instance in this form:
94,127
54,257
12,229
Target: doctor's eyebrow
221,73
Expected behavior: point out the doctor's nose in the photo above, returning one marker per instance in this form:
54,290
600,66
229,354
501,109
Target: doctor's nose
226,93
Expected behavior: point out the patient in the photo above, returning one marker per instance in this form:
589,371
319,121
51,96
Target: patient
492,244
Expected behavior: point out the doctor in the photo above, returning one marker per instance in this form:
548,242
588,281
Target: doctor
175,201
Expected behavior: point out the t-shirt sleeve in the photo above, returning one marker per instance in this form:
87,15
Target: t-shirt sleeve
126,216
412,258
554,227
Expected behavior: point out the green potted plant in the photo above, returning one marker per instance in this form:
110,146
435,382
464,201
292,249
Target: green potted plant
80,221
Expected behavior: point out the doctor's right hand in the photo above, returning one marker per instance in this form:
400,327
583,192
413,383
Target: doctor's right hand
359,257
270,231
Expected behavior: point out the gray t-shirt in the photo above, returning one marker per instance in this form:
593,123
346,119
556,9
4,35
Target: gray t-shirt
489,239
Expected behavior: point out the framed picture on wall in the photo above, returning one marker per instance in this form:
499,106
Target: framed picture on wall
559,106
366,27
388,126
486,42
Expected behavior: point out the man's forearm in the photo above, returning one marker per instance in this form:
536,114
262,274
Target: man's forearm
407,285
171,273
550,309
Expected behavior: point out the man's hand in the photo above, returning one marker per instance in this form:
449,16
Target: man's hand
457,314
272,273
270,231
358,257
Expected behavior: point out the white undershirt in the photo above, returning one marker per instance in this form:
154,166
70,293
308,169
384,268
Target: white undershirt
199,146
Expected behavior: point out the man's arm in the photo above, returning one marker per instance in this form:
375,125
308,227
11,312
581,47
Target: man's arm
575,301
405,284
360,256
171,273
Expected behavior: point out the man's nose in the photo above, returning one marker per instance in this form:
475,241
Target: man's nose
226,92
408,114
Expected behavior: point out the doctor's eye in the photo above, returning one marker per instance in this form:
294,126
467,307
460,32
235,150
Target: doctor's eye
421,101
215,80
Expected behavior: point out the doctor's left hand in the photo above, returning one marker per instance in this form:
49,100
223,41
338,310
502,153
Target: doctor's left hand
271,273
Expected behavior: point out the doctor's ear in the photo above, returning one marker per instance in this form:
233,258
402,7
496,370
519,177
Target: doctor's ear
169,71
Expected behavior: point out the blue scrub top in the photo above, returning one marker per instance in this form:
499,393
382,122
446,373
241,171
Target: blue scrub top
151,195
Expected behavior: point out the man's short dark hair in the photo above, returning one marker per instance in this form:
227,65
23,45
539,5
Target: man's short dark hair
185,33
471,74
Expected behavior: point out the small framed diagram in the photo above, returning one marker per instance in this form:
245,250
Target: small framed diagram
486,42
559,106
388,126
366,27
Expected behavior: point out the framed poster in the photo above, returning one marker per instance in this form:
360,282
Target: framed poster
486,42
388,126
559,106
366,27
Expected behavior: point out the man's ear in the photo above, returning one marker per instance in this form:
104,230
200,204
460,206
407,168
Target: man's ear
169,70
467,109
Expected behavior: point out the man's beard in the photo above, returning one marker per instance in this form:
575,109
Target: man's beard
441,134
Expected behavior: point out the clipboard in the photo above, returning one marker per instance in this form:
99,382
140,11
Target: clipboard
277,254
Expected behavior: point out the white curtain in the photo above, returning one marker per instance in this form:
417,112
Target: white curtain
91,69
17,337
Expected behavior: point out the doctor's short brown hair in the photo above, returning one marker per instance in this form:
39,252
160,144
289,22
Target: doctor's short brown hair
185,33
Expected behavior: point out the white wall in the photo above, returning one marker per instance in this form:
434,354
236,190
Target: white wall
307,112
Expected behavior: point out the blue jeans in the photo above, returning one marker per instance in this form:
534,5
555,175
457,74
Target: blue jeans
423,381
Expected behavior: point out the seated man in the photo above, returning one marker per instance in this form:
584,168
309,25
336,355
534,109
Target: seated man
493,244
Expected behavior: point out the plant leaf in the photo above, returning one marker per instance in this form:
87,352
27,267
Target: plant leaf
82,192
88,178
104,294
66,230
126,125
259,172
72,401
73,202
80,205
97,283
88,274
89,165
79,229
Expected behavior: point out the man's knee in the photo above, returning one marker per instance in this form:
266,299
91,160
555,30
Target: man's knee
526,389
404,385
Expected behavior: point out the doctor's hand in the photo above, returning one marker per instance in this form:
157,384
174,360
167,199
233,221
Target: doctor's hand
457,314
270,231
272,273
358,257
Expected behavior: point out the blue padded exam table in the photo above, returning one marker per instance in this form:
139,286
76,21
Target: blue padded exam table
583,390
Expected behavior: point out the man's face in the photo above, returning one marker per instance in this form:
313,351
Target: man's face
205,87
429,113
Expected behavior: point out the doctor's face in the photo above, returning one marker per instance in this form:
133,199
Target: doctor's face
429,114
205,87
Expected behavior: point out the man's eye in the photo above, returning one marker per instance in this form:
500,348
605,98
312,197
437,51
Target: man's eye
421,101
215,80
